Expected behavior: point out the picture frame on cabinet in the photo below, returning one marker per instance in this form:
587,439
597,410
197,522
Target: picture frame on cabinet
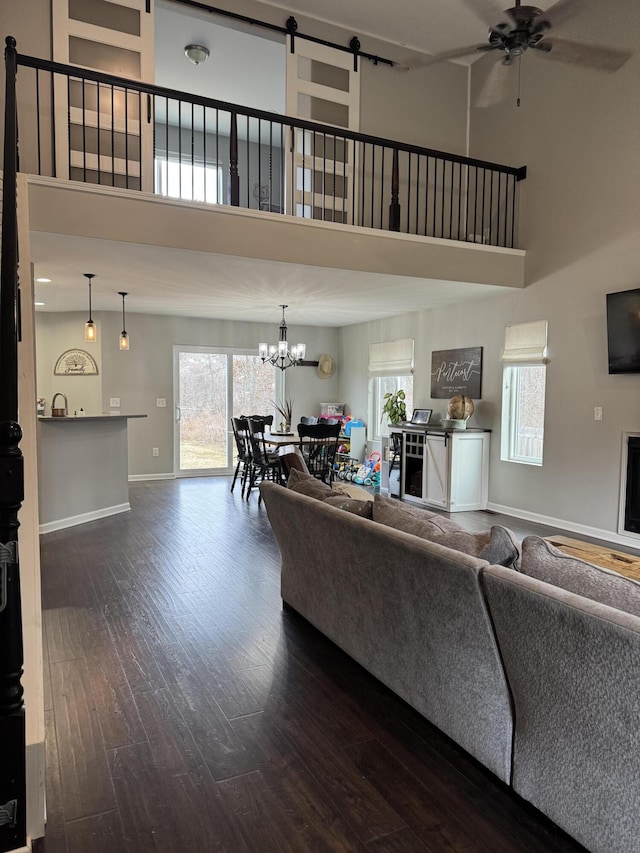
421,416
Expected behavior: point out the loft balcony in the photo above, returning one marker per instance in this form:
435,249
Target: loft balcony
84,126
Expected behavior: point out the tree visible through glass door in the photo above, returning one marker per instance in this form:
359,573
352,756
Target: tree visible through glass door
202,411
211,386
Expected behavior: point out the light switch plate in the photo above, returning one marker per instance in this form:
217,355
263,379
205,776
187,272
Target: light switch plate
114,402
161,402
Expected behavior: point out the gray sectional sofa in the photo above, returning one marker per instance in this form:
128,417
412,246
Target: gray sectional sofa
540,684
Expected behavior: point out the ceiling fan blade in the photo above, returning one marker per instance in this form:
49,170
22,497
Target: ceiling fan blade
587,55
495,87
562,10
442,57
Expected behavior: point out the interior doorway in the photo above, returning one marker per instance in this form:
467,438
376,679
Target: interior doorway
212,385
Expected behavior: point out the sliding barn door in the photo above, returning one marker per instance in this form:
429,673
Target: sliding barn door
322,86
104,134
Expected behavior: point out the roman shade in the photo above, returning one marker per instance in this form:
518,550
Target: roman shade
391,358
525,343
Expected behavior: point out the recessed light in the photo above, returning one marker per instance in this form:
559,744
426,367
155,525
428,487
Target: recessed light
37,304
43,280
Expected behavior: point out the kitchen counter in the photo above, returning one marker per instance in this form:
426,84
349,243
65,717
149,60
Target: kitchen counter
83,469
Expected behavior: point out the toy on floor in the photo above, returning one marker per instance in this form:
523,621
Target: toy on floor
369,469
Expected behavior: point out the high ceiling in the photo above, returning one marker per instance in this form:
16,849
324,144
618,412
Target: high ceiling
183,283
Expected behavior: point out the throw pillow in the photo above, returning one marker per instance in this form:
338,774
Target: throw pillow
362,508
305,484
542,561
503,549
353,491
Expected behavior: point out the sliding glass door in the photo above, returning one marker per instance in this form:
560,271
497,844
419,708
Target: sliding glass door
212,385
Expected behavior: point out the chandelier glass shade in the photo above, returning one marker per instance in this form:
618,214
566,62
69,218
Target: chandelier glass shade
124,337
280,354
90,330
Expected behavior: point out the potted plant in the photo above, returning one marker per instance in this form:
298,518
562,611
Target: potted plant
394,407
286,412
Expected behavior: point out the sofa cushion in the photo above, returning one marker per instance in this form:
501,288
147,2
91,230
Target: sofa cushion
306,484
410,519
358,507
498,546
542,561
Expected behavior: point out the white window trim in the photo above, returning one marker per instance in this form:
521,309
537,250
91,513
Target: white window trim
510,418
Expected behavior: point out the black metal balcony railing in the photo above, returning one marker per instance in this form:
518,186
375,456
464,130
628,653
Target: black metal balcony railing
93,127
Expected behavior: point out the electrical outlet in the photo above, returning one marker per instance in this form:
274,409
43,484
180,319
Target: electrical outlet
114,402
161,402
597,413
156,451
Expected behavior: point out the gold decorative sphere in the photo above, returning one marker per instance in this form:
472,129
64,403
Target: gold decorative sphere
460,407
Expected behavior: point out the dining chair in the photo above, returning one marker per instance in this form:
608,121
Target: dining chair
395,450
318,443
265,463
240,428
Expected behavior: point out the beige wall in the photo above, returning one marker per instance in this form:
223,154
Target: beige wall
56,333
578,132
143,374
426,107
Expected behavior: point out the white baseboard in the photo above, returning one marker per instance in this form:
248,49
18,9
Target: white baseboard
94,515
135,478
572,526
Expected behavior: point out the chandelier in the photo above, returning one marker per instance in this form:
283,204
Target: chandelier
281,356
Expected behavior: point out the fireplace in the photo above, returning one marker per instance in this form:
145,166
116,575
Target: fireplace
632,486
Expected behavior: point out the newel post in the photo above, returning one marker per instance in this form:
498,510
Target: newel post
12,719
394,207
234,179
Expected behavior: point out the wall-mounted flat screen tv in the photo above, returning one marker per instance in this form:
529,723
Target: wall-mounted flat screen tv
623,331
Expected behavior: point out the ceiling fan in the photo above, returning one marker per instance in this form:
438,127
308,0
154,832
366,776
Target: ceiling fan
521,28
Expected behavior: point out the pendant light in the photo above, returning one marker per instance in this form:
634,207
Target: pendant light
90,330
124,337
281,355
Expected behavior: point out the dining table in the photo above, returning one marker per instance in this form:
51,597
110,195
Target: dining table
280,439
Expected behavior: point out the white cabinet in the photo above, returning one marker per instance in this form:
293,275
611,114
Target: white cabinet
448,469
354,445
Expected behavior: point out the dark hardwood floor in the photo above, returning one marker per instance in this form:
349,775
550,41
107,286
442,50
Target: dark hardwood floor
186,711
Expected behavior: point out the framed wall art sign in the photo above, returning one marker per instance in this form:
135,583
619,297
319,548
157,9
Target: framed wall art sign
75,362
456,371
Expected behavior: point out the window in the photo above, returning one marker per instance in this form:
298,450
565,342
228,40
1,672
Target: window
189,181
523,393
390,370
378,387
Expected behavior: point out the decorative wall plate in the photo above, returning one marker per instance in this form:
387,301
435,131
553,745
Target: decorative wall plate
75,362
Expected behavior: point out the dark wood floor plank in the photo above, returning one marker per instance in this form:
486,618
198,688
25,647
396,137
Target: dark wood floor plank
56,828
189,713
232,693
114,703
143,800
403,841
86,783
436,825
259,810
365,810
101,833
